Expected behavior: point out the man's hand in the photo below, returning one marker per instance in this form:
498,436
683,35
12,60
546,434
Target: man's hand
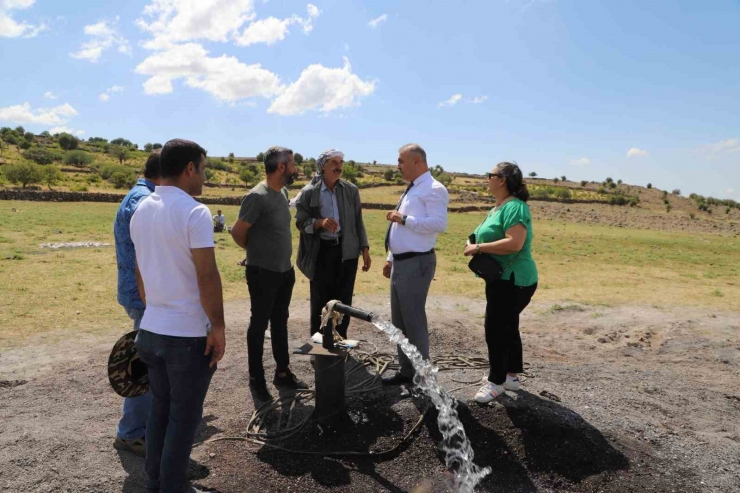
216,345
395,217
327,223
366,261
387,269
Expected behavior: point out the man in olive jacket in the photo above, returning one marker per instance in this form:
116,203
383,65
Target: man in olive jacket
329,217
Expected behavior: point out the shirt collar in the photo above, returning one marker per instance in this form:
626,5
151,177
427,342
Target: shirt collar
424,177
164,189
148,183
324,187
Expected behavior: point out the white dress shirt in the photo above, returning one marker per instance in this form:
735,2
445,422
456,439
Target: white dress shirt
425,208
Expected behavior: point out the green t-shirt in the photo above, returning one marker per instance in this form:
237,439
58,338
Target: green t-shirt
270,244
494,227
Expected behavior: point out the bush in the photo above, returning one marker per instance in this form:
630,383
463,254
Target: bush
609,180
664,194
676,191
532,174
218,164
78,188
307,170
650,185
25,173
445,179
29,136
247,175
562,177
350,173
692,215
668,207
563,194
156,146
210,175
261,157
727,211
617,200
298,158
123,177
51,175
78,158
119,152
619,182
601,190
556,179
148,147
24,144
634,201
584,183
40,155
612,185
67,142
93,178
389,174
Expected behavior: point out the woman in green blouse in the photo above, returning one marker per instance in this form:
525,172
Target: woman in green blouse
506,235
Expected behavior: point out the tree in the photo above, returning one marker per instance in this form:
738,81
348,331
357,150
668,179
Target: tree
307,170
29,136
562,177
122,142
97,140
619,182
261,157
148,147
532,174
650,185
25,144
45,134
246,175
609,180
210,175
298,157
67,142
231,157
20,130
25,173
445,179
119,152
156,146
123,178
584,183
40,155
349,173
78,158
51,175
676,192
388,174
437,170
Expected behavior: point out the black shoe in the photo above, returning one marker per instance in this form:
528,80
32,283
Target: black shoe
397,379
288,381
259,389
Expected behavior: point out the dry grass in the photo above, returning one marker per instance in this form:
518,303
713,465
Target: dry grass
53,292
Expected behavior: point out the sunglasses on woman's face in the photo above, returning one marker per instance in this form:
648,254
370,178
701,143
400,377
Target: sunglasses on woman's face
491,175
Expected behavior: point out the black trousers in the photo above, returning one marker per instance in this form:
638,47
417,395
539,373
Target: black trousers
269,294
504,302
333,280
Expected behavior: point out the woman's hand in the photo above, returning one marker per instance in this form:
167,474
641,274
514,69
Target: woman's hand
470,250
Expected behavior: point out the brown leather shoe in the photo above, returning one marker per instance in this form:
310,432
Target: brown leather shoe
137,446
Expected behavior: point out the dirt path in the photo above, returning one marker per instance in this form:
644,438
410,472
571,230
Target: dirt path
649,401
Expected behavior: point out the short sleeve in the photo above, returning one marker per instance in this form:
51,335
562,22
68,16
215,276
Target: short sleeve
251,208
200,228
516,214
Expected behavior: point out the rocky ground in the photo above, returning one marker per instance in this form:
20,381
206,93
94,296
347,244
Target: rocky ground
615,400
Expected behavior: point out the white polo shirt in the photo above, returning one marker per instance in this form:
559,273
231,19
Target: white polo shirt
164,228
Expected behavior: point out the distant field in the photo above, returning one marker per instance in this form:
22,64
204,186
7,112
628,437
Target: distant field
45,290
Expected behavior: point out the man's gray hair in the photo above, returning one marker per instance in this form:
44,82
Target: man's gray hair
415,149
274,156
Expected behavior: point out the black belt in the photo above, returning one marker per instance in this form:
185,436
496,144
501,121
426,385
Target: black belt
407,255
332,242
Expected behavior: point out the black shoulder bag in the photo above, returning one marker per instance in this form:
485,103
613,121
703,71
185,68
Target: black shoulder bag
487,267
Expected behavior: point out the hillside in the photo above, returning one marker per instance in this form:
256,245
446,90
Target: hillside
64,163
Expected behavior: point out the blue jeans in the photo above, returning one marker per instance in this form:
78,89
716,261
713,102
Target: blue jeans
179,377
135,409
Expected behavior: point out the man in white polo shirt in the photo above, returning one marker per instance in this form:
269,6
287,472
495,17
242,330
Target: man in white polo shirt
421,214
182,334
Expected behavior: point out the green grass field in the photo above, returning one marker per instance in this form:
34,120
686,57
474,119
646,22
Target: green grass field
46,291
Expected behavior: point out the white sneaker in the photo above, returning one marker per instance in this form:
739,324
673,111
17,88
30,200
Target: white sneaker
511,383
489,392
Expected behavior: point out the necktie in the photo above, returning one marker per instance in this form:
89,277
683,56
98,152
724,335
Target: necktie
398,205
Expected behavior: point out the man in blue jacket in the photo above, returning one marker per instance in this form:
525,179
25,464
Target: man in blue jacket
132,427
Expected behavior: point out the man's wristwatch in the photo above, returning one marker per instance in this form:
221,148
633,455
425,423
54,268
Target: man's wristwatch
403,220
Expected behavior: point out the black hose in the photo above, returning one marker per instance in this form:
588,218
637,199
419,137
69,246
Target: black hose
354,312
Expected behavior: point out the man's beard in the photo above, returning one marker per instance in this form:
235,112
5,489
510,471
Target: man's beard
289,178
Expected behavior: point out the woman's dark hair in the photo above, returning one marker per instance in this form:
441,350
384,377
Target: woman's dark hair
152,166
514,180
176,154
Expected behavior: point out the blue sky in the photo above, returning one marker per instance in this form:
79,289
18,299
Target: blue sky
643,91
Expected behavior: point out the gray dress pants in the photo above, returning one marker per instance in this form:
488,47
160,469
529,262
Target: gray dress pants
410,280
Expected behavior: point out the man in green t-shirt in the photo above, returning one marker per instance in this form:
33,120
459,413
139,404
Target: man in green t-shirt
263,229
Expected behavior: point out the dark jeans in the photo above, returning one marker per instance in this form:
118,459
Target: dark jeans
179,377
269,294
333,280
504,302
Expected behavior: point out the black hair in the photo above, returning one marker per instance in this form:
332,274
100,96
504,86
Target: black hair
514,180
176,154
274,156
152,166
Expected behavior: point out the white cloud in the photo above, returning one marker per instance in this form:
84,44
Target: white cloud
729,191
271,30
584,161
9,27
322,88
479,99
104,36
178,21
23,113
375,22
452,101
105,96
224,77
727,146
635,152
67,130
50,95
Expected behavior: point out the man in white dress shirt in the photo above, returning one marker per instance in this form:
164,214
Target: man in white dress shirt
421,214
